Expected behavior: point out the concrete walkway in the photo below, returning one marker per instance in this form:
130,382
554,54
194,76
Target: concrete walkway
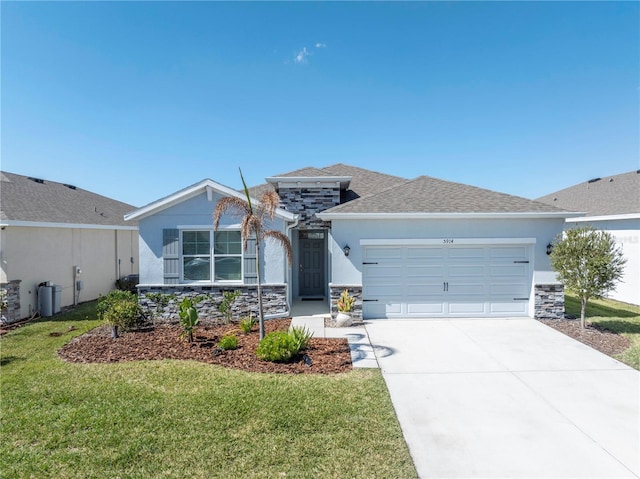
362,355
508,399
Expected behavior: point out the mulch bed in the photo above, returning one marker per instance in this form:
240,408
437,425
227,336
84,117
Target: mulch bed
326,356
603,340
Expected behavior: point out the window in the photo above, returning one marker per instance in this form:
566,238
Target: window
197,254
228,256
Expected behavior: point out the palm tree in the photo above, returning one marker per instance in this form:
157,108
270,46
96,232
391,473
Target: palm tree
253,221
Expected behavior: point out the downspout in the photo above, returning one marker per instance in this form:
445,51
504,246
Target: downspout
287,274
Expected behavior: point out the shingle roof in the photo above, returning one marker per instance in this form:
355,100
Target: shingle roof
27,199
430,195
610,195
363,181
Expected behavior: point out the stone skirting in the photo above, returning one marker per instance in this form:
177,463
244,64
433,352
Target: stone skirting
549,301
11,313
274,301
354,290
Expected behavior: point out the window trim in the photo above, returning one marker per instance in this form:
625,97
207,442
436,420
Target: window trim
212,256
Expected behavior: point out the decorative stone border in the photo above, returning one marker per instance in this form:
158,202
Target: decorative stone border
274,300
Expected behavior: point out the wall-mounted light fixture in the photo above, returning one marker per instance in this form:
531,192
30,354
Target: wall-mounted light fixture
346,250
549,248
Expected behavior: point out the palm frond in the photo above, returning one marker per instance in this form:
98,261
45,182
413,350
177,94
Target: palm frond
282,239
246,191
229,204
270,200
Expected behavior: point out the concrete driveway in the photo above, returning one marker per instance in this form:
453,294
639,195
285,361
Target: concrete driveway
508,398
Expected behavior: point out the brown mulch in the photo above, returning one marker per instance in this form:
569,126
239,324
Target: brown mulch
604,341
326,356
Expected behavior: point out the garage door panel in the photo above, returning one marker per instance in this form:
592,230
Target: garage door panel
465,270
467,308
372,254
424,290
508,270
428,254
509,308
466,253
425,271
435,309
441,281
519,289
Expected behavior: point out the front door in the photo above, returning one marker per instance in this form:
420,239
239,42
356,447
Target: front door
311,273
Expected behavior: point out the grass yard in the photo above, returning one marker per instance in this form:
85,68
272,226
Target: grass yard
181,419
615,316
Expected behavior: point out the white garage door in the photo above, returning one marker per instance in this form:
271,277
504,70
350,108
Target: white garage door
401,281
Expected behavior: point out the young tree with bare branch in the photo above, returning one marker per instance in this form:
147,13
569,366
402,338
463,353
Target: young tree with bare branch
253,223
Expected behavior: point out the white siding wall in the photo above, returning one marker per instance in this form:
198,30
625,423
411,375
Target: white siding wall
34,255
627,235
197,212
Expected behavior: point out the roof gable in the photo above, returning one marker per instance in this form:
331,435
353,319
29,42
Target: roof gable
611,195
33,200
207,186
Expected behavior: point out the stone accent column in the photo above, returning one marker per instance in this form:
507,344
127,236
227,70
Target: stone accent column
354,290
549,301
11,313
306,202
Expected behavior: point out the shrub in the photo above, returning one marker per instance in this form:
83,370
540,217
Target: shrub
119,309
282,346
226,305
300,337
276,347
247,323
228,341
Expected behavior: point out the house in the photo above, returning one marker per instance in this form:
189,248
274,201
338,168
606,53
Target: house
610,204
56,234
405,248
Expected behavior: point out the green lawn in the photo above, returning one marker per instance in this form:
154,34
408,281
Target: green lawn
185,419
615,316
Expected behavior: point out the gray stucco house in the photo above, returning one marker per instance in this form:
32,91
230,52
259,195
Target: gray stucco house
406,248
610,203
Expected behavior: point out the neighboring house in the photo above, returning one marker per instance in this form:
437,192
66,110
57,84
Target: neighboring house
405,248
610,204
57,233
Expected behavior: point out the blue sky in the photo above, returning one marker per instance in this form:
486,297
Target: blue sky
138,100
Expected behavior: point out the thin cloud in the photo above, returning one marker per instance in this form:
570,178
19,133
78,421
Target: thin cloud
321,45
301,56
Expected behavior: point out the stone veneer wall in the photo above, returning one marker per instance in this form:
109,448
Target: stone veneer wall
549,301
306,202
274,300
354,290
12,313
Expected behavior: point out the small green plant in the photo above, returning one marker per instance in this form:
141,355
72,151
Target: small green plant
345,302
120,309
247,323
300,337
188,318
282,346
228,341
276,347
226,305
